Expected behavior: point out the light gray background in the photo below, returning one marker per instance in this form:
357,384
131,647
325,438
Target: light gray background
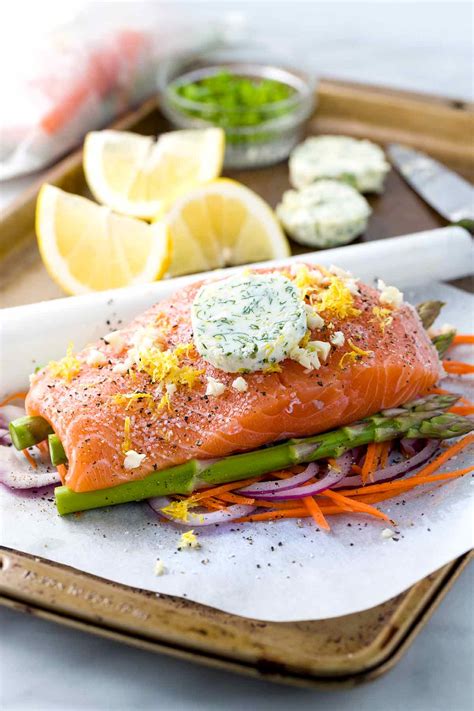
424,46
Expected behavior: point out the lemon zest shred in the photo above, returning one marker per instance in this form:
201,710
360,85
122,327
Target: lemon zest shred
304,281
306,339
272,368
188,540
68,367
164,366
165,401
353,355
128,398
383,316
337,300
179,509
127,440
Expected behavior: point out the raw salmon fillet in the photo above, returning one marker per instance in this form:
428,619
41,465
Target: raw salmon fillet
402,364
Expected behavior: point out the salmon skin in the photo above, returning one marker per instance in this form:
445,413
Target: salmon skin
101,406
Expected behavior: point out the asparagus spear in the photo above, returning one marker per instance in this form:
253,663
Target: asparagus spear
428,311
27,431
56,450
424,418
442,342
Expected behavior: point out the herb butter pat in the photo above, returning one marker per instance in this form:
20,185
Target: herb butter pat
248,322
325,214
361,162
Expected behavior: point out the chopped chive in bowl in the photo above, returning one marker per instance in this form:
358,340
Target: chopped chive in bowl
261,108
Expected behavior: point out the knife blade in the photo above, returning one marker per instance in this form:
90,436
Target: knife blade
443,189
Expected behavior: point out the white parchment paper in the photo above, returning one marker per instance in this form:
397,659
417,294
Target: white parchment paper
281,571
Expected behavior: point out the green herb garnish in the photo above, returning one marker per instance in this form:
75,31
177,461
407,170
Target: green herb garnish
234,101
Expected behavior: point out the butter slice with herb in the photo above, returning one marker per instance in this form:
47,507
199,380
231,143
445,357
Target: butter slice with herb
248,322
360,162
327,213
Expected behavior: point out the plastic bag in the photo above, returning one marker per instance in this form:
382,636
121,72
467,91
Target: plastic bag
83,74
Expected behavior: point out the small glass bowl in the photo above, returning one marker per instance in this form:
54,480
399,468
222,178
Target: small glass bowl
247,146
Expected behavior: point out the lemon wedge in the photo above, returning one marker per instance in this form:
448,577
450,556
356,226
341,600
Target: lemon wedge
86,247
140,176
219,224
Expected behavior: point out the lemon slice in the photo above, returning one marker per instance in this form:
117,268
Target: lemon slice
86,247
221,224
139,176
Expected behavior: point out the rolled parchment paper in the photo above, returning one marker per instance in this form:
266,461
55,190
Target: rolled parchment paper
283,571
33,334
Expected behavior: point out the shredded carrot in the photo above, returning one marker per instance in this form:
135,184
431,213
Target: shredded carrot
342,501
289,513
213,504
370,461
316,513
460,338
13,396
236,499
384,451
286,474
356,505
446,455
462,410
356,469
30,458
377,498
402,484
276,504
457,367
217,490
272,515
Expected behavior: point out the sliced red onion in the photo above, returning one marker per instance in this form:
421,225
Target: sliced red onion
345,462
201,519
408,446
394,470
277,485
17,473
299,492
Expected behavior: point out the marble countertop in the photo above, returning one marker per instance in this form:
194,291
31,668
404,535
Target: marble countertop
423,46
